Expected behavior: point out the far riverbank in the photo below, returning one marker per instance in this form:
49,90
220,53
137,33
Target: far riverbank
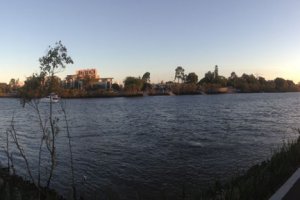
116,95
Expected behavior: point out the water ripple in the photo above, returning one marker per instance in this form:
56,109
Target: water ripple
154,145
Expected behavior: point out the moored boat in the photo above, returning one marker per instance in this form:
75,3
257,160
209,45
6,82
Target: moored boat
54,98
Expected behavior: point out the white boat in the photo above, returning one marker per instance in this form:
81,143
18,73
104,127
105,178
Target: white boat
54,98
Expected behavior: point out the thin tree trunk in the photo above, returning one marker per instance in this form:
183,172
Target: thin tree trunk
52,149
22,153
43,127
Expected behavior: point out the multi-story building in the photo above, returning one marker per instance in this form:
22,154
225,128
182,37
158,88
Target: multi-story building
106,83
71,81
77,80
87,73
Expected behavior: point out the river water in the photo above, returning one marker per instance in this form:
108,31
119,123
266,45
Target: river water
152,147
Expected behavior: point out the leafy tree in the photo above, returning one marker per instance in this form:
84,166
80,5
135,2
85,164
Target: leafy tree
270,86
33,88
146,87
12,82
4,88
280,84
249,78
262,81
13,85
133,84
55,59
216,72
232,79
208,78
214,78
242,85
36,86
42,84
246,83
146,81
192,78
222,81
179,74
146,77
55,83
116,86
292,87
233,75
54,62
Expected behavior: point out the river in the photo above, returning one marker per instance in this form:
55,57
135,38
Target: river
152,147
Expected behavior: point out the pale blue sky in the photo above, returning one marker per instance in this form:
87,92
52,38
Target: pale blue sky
129,37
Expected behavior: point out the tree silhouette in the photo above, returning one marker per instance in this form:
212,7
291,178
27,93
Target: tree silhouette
179,74
146,77
192,78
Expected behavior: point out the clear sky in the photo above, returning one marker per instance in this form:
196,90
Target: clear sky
130,37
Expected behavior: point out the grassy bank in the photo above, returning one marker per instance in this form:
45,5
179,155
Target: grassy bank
13,187
262,180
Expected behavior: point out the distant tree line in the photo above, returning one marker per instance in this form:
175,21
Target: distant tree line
247,83
212,82
10,88
183,83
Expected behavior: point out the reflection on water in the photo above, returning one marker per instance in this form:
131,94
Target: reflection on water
153,146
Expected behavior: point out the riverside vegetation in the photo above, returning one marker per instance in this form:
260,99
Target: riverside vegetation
211,83
262,180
